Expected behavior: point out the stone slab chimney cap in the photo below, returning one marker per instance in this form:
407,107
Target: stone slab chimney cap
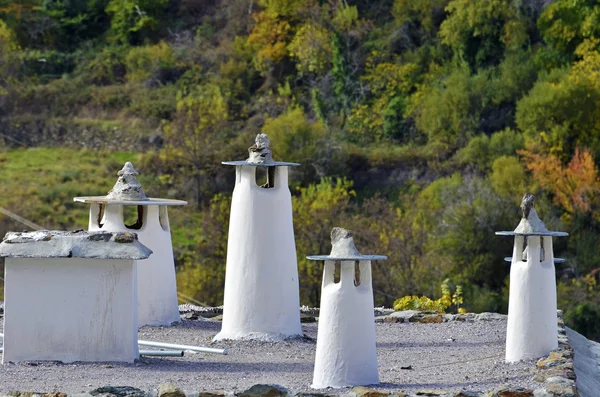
260,155
78,244
343,249
531,224
127,191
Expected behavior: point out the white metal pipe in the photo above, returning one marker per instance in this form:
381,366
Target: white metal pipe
162,353
182,347
2,336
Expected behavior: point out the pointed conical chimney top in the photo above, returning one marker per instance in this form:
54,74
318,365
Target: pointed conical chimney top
260,152
530,223
342,243
127,186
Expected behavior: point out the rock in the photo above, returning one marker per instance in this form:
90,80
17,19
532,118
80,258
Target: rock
557,389
261,390
427,318
16,393
403,316
211,394
218,317
486,316
118,391
560,381
431,393
546,374
555,358
361,391
514,392
169,390
468,394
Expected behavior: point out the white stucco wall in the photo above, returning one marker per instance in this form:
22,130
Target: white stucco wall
157,286
70,309
261,282
346,354
532,323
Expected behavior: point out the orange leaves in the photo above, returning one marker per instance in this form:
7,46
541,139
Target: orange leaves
574,186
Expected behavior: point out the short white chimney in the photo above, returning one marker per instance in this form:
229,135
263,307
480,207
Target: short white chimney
346,354
157,286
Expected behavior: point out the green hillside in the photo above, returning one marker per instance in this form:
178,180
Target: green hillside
419,125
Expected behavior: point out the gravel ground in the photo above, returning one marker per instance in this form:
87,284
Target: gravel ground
448,356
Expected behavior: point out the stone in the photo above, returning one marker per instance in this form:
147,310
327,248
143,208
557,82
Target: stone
530,223
468,394
260,153
562,390
361,391
543,376
211,394
118,391
402,316
76,244
560,380
261,390
427,318
169,390
486,316
554,359
342,243
514,392
127,187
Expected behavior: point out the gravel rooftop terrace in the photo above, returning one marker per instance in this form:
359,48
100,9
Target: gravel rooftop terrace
412,356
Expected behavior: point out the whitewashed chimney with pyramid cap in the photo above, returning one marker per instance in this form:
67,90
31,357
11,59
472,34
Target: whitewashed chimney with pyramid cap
157,287
346,354
532,322
262,298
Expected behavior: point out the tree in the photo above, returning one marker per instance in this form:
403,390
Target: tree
193,137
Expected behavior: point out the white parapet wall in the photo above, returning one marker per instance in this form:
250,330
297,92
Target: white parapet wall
71,296
157,286
346,354
261,284
532,324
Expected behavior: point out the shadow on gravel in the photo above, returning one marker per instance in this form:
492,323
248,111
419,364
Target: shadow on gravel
438,344
257,367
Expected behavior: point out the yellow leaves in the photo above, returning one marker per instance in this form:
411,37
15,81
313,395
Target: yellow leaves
312,48
413,302
345,16
269,38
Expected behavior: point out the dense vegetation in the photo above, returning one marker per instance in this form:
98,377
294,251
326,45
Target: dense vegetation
419,125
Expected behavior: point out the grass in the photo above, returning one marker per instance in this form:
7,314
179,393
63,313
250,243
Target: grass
40,183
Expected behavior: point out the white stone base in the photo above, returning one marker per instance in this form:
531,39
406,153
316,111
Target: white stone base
532,323
70,309
346,354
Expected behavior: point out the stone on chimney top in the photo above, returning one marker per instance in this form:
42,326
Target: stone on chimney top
342,243
79,244
530,223
127,187
260,153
